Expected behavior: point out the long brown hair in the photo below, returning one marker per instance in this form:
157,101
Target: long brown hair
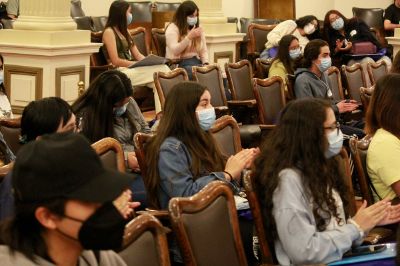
117,19
299,142
179,120
383,110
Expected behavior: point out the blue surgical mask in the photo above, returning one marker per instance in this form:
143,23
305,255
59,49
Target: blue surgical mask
338,24
206,118
294,54
326,63
192,21
129,19
118,111
335,142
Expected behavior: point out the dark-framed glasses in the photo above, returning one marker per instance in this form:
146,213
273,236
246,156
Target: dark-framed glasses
333,127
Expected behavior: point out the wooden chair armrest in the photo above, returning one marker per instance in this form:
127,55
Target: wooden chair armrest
159,214
221,110
267,127
247,103
96,36
103,67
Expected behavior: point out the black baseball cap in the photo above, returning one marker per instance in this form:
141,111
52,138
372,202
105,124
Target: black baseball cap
64,165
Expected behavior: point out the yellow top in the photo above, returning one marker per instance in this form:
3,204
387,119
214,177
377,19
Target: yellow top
383,162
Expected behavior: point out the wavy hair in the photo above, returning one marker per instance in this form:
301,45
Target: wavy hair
180,121
299,142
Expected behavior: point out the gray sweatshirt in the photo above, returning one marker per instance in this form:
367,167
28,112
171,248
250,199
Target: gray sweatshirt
87,258
299,242
307,84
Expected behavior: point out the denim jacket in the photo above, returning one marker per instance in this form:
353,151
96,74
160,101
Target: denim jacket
176,179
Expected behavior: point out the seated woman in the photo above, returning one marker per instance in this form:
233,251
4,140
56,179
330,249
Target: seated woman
384,149
302,192
107,109
185,40
341,33
304,29
122,51
44,116
183,157
289,55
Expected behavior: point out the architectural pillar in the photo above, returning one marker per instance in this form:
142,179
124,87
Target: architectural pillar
44,54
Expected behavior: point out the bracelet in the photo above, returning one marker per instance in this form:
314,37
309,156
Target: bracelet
362,233
229,174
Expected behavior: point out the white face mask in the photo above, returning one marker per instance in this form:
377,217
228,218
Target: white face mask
309,29
192,21
294,54
335,142
118,111
206,118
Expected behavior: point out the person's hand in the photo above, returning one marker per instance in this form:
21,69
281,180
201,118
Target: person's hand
339,44
236,163
125,205
256,152
348,46
368,217
347,106
194,33
132,161
393,216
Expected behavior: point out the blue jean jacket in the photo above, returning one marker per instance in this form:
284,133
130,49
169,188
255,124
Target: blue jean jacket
176,179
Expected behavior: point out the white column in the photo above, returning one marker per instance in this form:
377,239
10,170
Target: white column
45,15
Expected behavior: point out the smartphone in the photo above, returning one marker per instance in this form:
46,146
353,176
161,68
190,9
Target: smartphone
365,250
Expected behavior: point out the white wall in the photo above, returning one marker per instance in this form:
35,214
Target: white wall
244,8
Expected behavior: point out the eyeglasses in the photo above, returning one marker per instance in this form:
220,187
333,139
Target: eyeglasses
333,127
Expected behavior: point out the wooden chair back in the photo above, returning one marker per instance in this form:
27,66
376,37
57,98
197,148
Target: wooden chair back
207,228
111,154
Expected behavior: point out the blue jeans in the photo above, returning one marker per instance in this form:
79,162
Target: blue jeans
188,63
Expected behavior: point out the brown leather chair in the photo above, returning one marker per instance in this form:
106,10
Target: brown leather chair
11,130
140,140
358,149
84,23
234,20
99,23
145,242
267,251
164,81
355,79
257,39
162,6
139,38
141,10
270,96
207,227
365,95
335,83
76,9
210,76
158,36
373,17
290,87
344,169
111,153
262,68
376,70
227,134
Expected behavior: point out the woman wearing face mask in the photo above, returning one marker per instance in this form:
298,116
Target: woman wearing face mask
185,40
312,81
107,109
289,54
303,194
304,29
183,157
122,51
59,220
341,33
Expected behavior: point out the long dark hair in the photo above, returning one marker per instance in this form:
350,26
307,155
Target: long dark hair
327,24
117,18
95,106
383,110
44,117
184,10
23,232
299,142
283,53
179,120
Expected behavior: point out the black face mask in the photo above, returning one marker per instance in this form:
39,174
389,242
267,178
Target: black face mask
103,230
